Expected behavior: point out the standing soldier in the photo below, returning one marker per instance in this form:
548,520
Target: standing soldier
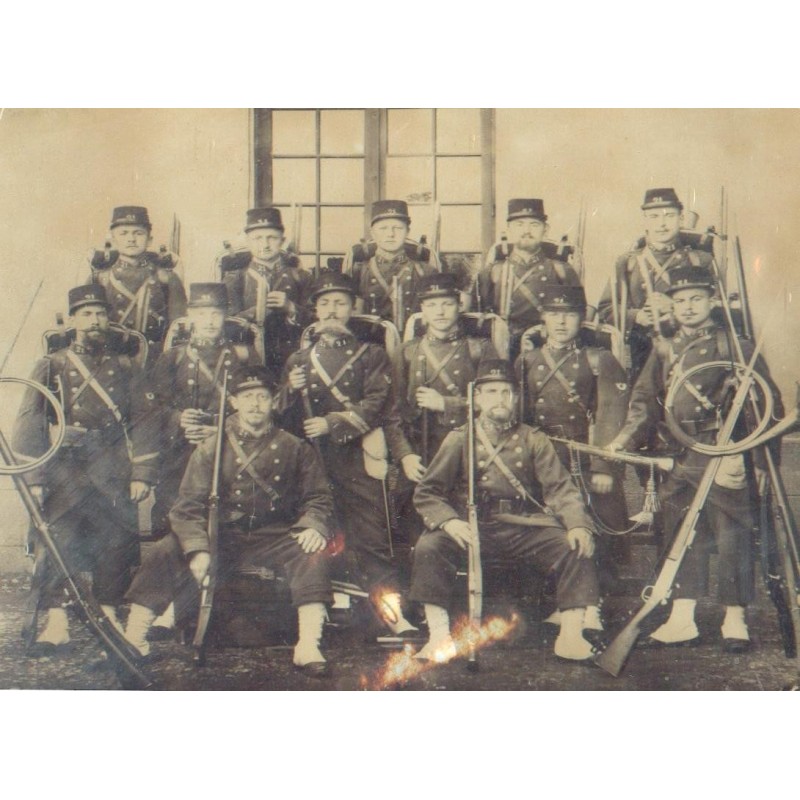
144,292
186,381
387,284
514,288
274,510
727,515
518,475
269,288
108,462
345,391
431,375
568,388
637,302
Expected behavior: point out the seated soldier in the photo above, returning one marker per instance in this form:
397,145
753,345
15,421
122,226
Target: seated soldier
517,473
274,509
727,517
270,288
186,381
108,462
663,251
390,269
431,375
567,388
142,288
344,390
514,288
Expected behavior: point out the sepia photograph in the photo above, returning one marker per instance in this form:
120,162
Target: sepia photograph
405,399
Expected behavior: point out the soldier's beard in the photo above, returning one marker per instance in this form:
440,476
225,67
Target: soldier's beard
332,327
93,339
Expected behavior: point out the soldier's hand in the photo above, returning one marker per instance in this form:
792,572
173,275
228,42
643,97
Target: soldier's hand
297,378
199,564
602,483
615,446
316,426
661,304
38,493
192,416
197,433
761,480
582,540
310,540
279,300
139,491
413,468
430,399
459,531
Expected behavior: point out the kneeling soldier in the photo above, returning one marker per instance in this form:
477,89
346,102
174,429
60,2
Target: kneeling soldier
107,464
275,509
518,474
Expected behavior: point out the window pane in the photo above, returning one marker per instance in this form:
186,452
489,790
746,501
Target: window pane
294,180
458,180
342,180
409,179
461,229
458,130
308,262
341,228
294,133
410,130
308,228
342,133
421,222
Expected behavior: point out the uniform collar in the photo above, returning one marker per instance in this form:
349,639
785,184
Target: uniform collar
494,428
268,267
525,257
341,341
556,350
400,258
699,333
663,249
82,350
246,435
454,335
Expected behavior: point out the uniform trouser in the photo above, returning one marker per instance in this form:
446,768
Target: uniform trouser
727,521
359,505
437,558
166,491
97,532
165,576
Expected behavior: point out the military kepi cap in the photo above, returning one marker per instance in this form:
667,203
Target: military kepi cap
520,208
90,295
264,218
390,209
438,284
563,298
208,295
254,377
661,198
495,369
690,278
130,215
330,281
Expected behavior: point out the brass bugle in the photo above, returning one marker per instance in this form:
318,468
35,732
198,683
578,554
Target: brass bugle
664,463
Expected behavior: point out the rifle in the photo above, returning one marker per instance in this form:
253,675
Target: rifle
425,416
209,585
122,655
474,569
665,464
398,305
579,239
613,658
747,319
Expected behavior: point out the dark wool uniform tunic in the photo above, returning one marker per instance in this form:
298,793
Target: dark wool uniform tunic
247,291
442,496
87,483
727,515
188,376
257,517
358,498
144,297
628,272
532,273
374,283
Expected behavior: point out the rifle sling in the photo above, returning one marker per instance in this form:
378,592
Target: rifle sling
246,464
439,370
555,372
90,380
331,382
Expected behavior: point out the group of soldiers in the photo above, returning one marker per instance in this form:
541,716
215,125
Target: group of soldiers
334,439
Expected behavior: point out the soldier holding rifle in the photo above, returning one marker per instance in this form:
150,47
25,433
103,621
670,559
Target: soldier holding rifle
530,510
636,301
108,463
349,394
698,407
268,287
275,509
514,287
387,284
